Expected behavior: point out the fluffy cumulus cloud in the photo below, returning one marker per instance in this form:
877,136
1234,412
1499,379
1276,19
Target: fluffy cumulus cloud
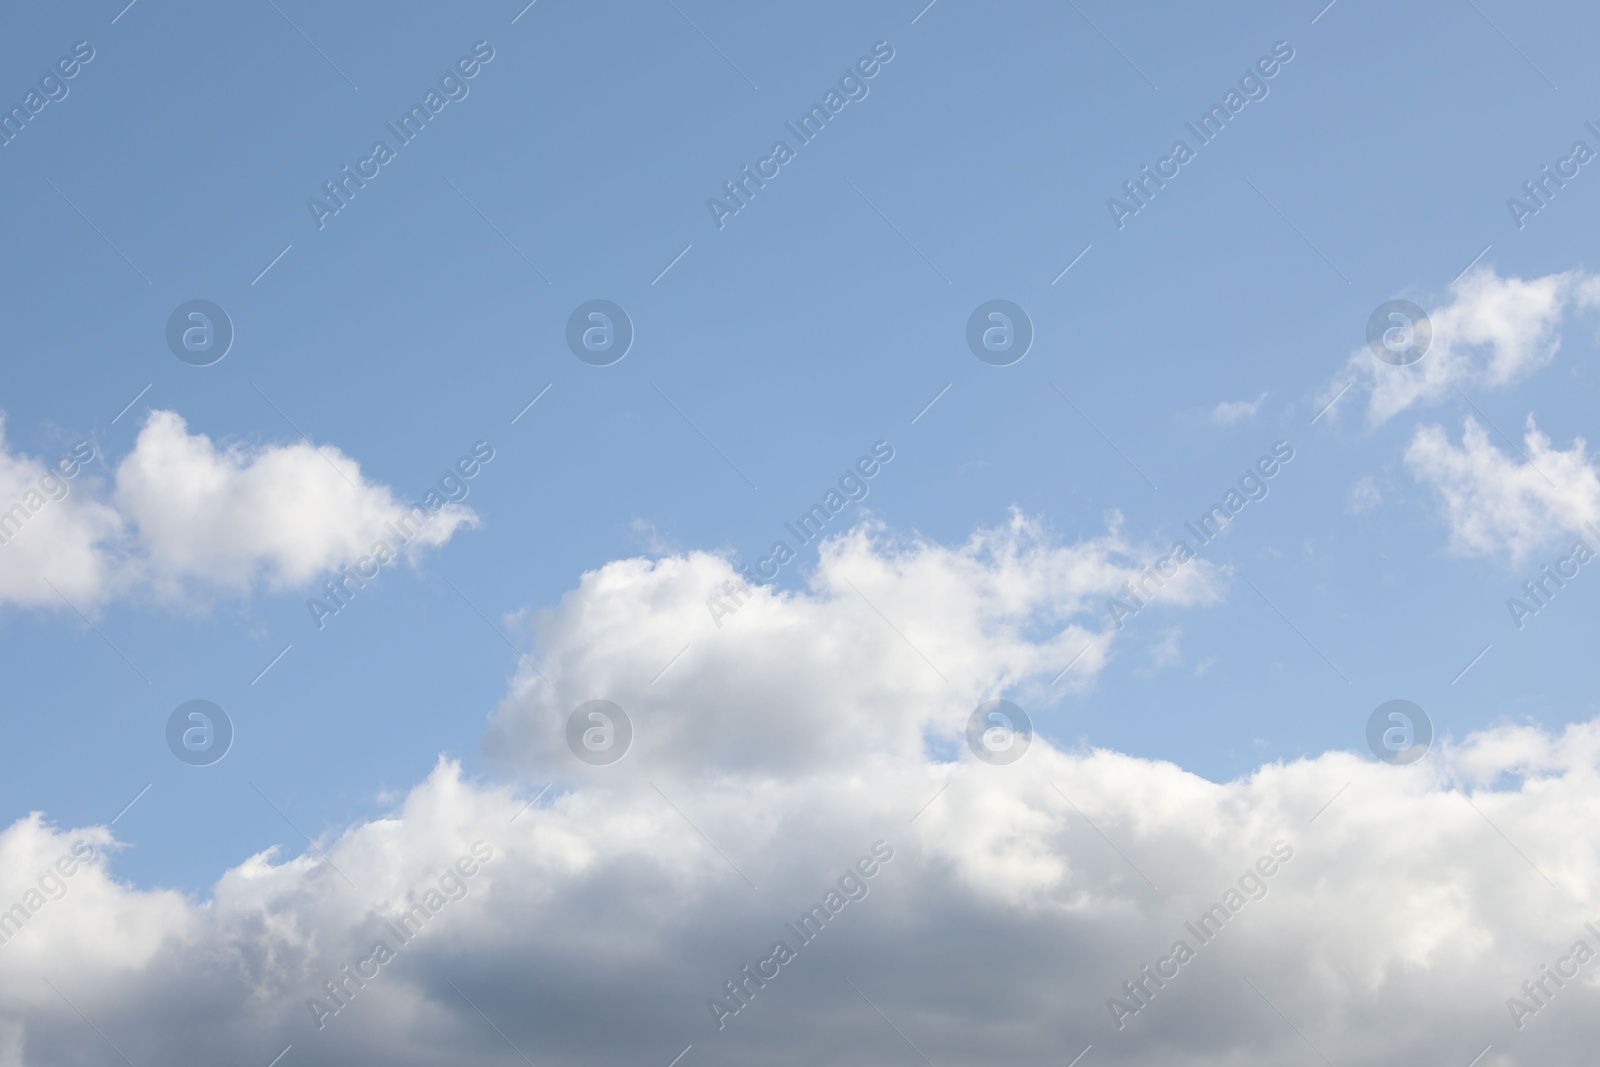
1008,610
1500,504
180,516
54,526
1494,332
799,778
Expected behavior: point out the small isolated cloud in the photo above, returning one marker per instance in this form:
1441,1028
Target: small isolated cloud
646,533
1364,496
181,517
1497,502
1231,411
1493,333
1163,653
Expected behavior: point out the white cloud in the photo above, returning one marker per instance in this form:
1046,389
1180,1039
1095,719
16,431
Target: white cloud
53,527
1497,503
605,922
1492,334
181,517
1163,654
1231,411
1008,610
1017,902
1364,495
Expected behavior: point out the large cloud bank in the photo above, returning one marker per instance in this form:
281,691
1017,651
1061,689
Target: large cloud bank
1367,913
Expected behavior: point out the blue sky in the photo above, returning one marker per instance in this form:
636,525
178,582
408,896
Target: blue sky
820,319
